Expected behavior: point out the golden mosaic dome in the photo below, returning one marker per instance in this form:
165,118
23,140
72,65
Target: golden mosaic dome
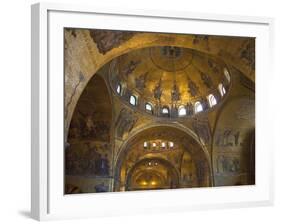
162,80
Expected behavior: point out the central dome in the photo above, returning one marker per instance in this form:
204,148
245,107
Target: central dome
171,59
159,80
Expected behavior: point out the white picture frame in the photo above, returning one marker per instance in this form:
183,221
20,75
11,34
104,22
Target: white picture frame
48,201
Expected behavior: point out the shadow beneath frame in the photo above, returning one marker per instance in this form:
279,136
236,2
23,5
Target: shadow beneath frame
26,214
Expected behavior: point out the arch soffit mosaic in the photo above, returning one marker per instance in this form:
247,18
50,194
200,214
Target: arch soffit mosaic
177,127
200,149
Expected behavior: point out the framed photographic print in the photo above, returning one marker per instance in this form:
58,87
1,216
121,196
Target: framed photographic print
147,111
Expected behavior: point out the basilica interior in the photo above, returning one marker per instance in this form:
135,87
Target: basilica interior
151,111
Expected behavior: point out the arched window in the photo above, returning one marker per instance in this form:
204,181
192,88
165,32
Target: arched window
198,107
119,89
171,145
182,111
148,107
221,89
165,110
212,100
145,145
163,145
133,100
226,74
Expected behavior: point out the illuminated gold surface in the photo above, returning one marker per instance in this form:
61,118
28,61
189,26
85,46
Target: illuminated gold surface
189,65
127,159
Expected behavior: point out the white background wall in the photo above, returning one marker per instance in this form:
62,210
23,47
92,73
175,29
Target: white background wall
15,110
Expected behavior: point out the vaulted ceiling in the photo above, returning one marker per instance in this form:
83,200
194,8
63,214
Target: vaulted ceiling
168,75
103,69
88,50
